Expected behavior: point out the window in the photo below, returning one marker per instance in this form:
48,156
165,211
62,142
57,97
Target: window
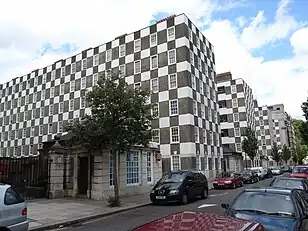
52,92
27,99
42,112
18,119
174,107
122,50
192,57
197,42
60,127
202,111
95,79
111,175
149,167
82,102
193,81
263,142
261,123
137,85
155,110
235,117
41,130
204,136
137,45
61,107
12,197
53,75
137,67
173,81
171,33
50,128
237,132
154,62
201,86
190,34
26,116
72,87
72,101
199,64
238,147
63,71
43,79
154,85
132,167
84,64
210,113
261,113
233,89
262,132
108,73
34,97
156,135
122,71
108,56
207,90
35,81
197,134
95,60
40,146
19,102
51,110
24,132
83,83
176,165
211,140
234,102
171,57
153,39
73,68
20,87
61,89
195,107
174,134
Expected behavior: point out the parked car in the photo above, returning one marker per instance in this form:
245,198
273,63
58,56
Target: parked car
300,171
275,209
228,180
268,173
180,186
197,221
276,171
249,176
261,172
13,210
291,183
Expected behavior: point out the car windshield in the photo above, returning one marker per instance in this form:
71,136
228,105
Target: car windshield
226,175
173,177
268,203
246,172
288,183
300,170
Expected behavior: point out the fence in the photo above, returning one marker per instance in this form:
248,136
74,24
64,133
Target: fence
28,175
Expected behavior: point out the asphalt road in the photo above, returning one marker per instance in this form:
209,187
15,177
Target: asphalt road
128,220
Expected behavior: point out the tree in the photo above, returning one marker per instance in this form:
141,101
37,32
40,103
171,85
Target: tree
295,158
286,154
301,152
250,144
120,118
305,109
276,155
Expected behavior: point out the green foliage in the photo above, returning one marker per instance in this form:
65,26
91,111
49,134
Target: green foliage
301,131
286,154
250,144
276,155
305,109
295,158
301,152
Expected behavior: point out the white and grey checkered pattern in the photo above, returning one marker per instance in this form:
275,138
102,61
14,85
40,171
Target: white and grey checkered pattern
171,57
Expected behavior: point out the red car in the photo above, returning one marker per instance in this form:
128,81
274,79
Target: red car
300,171
192,221
228,180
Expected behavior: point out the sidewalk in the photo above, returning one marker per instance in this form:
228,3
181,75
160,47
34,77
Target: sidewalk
48,214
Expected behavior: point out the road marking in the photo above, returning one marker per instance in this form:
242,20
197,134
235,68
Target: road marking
206,205
218,195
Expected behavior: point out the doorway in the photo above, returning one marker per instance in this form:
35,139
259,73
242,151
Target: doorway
83,175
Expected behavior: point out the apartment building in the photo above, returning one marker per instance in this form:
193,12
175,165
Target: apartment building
171,57
236,109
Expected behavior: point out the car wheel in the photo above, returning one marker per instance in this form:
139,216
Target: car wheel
205,194
184,199
234,185
242,183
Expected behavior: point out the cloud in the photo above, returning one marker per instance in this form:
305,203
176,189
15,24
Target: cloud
27,29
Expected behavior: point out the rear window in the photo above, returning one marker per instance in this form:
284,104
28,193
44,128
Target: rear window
300,170
288,183
12,197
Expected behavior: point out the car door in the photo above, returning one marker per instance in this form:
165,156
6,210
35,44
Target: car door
191,186
237,178
199,183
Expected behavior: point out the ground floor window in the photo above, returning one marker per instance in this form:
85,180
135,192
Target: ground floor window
210,163
111,176
176,164
149,167
132,167
198,162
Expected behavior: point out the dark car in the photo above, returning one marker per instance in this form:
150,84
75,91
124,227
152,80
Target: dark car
228,180
180,186
196,221
269,173
275,209
249,176
291,183
286,169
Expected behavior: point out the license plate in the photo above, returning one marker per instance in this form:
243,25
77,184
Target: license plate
160,197
220,184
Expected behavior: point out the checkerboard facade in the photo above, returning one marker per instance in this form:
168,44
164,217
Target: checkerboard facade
236,109
171,57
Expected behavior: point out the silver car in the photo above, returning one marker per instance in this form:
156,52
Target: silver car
13,210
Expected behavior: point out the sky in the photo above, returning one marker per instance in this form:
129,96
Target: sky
262,41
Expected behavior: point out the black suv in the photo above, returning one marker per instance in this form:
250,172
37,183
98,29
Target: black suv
180,186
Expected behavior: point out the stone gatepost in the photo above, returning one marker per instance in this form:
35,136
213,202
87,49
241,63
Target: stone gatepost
56,170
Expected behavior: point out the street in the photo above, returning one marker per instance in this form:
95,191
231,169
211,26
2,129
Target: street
133,218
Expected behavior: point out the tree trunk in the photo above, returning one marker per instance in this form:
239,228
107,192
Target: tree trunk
115,176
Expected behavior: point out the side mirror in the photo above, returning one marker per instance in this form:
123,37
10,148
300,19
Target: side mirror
225,206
